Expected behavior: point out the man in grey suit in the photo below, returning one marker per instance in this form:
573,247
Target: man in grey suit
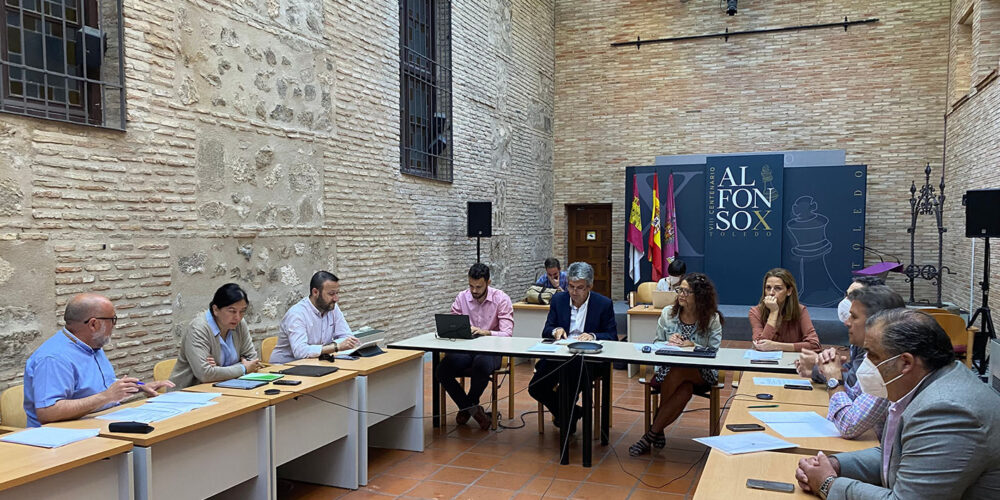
942,433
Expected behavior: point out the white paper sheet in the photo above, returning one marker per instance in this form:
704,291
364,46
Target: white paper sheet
793,424
780,382
745,442
656,346
540,347
184,397
49,437
146,414
768,355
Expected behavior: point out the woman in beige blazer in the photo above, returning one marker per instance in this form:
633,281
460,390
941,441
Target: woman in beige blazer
217,344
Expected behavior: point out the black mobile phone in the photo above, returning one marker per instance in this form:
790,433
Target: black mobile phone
285,381
346,357
763,362
548,341
744,427
799,387
760,484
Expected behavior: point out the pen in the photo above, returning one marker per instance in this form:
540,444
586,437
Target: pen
763,406
139,383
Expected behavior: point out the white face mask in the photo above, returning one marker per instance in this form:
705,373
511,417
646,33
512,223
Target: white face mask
673,280
844,310
870,379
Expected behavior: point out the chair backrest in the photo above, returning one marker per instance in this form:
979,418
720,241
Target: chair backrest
12,407
266,346
163,369
954,326
934,310
644,294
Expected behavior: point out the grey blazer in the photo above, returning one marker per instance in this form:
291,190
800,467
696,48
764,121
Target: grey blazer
948,446
198,344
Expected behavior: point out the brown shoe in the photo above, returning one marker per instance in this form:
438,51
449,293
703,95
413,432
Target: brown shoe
481,418
462,417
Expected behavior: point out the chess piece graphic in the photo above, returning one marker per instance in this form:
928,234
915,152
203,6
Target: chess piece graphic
808,230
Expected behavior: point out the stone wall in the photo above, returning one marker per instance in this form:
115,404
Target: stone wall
876,90
262,144
973,157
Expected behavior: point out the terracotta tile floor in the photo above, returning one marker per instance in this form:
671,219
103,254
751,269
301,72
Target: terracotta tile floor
465,462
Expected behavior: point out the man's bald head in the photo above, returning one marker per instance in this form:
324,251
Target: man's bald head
87,305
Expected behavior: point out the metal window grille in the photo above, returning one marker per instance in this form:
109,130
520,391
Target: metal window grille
425,88
62,60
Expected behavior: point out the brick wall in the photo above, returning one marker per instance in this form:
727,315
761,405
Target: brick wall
876,91
973,152
262,144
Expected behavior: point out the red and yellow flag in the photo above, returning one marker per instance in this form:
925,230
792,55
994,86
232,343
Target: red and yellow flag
655,249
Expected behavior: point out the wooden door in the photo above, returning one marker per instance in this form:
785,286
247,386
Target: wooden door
590,241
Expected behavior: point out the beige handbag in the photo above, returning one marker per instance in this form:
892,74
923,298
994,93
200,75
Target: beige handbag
538,294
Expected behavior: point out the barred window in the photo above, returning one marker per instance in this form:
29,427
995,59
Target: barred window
62,60
425,88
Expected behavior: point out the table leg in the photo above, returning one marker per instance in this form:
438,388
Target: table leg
565,392
606,404
588,417
435,390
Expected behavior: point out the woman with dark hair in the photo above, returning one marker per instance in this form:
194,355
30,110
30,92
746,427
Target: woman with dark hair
217,344
779,322
693,320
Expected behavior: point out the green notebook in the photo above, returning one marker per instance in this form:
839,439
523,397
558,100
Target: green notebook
263,377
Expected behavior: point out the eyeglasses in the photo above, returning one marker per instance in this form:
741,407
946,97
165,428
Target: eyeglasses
113,319
683,292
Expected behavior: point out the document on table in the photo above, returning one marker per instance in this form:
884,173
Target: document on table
540,347
793,424
780,382
146,414
765,355
184,397
657,346
49,437
745,442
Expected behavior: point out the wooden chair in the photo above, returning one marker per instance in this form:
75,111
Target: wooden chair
162,371
934,310
506,368
12,407
266,346
961,337
643,294
652,399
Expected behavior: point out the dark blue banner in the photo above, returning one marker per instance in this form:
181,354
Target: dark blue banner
743,222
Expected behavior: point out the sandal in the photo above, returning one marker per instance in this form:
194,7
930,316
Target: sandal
646,442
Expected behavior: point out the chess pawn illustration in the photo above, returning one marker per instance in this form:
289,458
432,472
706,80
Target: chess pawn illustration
808,230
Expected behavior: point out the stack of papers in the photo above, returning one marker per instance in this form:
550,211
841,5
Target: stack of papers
541,347
765,355
49,437
745,442
163,407
781,382
794,424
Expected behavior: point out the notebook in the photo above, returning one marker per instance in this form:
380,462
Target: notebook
239,384
663,299
262,377
309,371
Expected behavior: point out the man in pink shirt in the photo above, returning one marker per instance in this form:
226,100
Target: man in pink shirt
490,313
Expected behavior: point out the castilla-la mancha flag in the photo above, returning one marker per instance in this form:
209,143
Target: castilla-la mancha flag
633,235
655,250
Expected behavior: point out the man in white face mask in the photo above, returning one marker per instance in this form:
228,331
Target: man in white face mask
852,410
942,432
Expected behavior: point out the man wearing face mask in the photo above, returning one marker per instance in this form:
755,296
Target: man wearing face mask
675,270
854,411
69,375
807,364
942,432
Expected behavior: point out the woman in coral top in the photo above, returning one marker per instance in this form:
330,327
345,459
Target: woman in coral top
779,322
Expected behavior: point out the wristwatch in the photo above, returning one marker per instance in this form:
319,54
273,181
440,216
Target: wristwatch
832,383
824,488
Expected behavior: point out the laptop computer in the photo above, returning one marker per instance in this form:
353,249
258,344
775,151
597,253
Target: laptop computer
453,326
663,299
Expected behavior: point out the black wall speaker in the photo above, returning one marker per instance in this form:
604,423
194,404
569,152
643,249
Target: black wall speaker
982,213
480,219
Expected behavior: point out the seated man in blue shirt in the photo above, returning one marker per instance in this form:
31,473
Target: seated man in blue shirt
553,277
578,314
69,376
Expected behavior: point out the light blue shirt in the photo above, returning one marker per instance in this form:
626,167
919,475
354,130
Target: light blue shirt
544,280
229,355
63,367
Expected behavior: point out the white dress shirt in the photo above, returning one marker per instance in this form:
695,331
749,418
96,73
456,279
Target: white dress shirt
578,316
304,331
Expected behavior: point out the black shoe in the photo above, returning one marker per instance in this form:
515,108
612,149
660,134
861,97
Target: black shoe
462,417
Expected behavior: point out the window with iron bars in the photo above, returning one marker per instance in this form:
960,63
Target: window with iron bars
425,147
62,60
